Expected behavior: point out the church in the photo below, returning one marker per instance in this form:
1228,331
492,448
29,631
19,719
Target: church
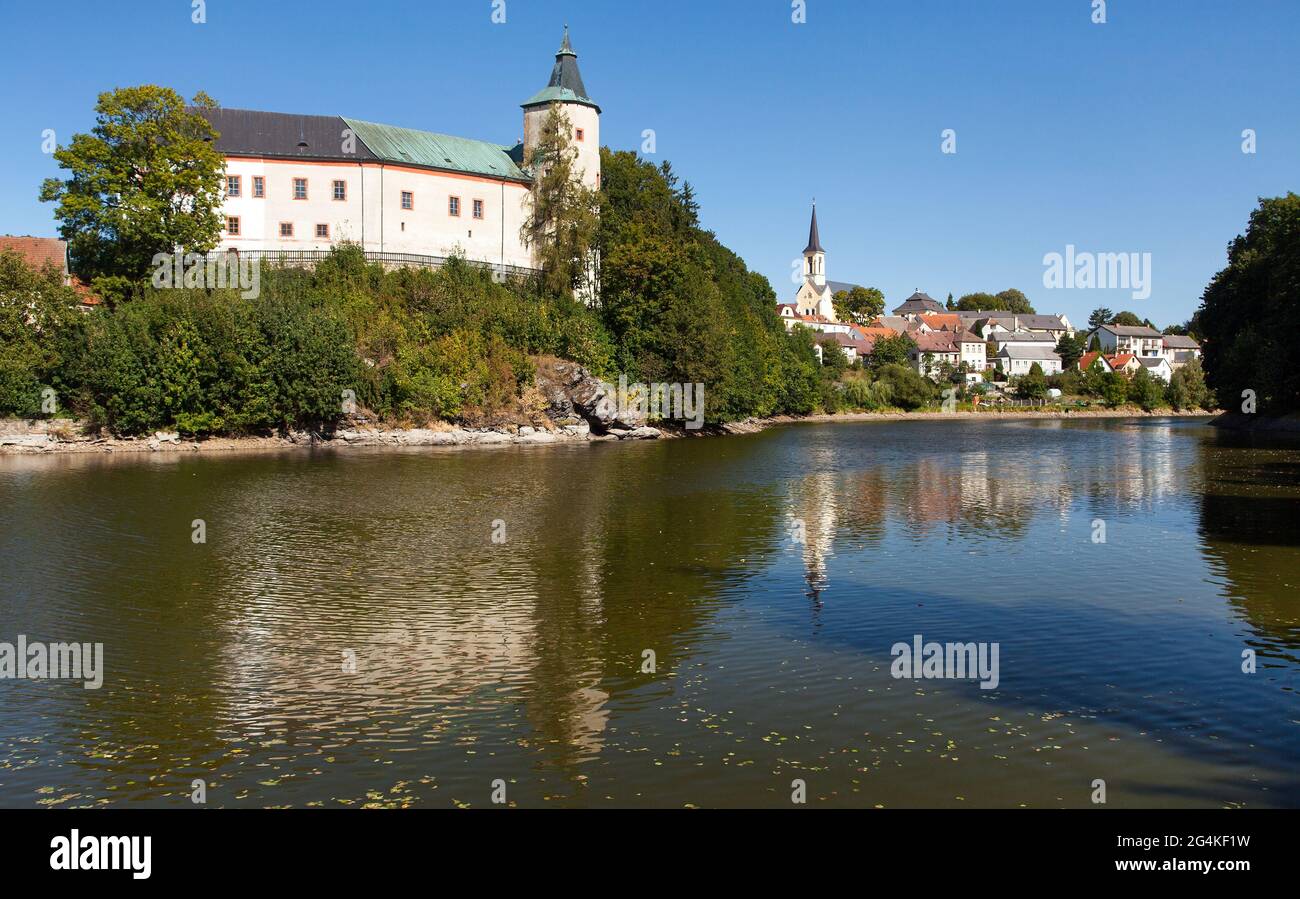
814,307
297,185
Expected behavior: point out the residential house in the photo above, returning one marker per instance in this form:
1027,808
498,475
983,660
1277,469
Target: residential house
1087,359
1019,358
1180,350
985,322
933,349
1125,364
1138,340
1157,366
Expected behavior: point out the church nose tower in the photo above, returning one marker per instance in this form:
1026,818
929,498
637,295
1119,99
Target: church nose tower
814,257
566,89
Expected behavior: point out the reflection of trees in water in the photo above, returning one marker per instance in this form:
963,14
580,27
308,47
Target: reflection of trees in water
1250,532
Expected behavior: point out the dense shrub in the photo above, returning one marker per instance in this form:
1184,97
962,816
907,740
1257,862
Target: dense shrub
907,389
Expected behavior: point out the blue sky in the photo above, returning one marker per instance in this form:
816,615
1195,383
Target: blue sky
1122,137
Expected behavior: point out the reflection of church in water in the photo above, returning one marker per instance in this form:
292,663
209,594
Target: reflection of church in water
814,513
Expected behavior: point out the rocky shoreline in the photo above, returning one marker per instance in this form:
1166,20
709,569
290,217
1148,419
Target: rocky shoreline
22,437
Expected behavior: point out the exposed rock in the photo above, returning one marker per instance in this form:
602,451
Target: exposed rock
571,390
641,433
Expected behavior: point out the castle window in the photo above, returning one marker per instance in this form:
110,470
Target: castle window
286,229
408,200
478,209
578,133
259,186
340,190
232,225
232,185
453,206
323,232
300,188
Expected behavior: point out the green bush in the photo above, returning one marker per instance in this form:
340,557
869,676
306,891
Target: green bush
907,389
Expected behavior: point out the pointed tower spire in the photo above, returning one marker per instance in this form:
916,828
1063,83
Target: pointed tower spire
814,241
566,81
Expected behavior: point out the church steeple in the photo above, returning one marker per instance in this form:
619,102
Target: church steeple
814,264
814,240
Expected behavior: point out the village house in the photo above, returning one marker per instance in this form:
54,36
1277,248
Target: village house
1157,366
1018,358
1125,364
1087,359
1138,340
1180,350
987,322
1021,338
298,185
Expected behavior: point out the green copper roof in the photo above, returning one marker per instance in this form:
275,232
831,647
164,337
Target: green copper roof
439,151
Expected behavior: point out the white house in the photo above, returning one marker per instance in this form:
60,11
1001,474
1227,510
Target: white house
1157,366
1180,350
296,185
1136,339
1019,358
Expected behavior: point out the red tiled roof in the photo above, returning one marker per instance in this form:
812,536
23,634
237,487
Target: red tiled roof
85,296
38,252
1086,360
942,321
1120,360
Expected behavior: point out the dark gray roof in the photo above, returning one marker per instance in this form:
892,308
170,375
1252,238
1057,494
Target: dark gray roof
837,286
282,134
566,84
814,240
920,302
1132,330
1035,353
1041,322
1181,342
1021,337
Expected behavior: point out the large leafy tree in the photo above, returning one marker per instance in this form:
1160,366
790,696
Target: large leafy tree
1250,312
147,179
563,217
1010,300
859,304
893,350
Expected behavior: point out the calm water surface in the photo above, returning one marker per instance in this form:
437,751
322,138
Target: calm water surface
523,660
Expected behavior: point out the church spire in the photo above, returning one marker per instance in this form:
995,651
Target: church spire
814,241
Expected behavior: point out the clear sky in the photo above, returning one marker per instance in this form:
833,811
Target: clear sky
1121,137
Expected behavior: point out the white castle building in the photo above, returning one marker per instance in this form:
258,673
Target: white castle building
296,185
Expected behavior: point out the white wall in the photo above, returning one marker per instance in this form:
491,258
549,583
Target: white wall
372,213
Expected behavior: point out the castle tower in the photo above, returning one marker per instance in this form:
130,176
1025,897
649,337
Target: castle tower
567,89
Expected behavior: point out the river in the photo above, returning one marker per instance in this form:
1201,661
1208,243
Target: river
701,622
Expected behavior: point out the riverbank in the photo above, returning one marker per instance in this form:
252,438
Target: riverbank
22,437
